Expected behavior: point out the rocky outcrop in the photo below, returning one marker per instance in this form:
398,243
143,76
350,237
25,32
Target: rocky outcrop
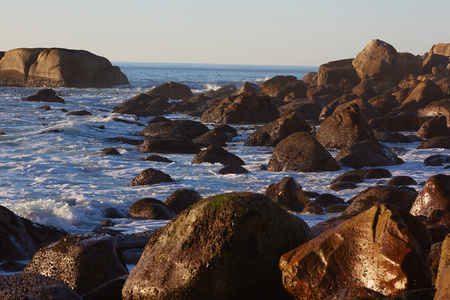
150,176
288,194
245,108
336,71
379,61
272,133
281,86
223,247
149,208
359,253
57,67
435,195
143,105
81,262
344,129
172,90
303,153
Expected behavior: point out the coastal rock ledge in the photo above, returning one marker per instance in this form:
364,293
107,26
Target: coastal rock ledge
57,67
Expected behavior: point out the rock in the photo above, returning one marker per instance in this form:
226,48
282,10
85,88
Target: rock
441,48
172,90
391,137
158,158
367,110
149,208
45,107
272,133
412,64
232,169
222,92
309,109
288,194
433,260
364,91
372,173
189,128
245,108
216,154
339,186
400,122
45,95
55,67
79,113
182,199
132,256
168,143
81,262
143,105
223,247
249,87
437,126
437,108
125,140
313,208
359,253
434,195
336,208
378,61
110,151
281,86
435,64
358,293
336,71
383,103
310,79
34,286
423,94
20,238
398,196
355,178
150,176
436,142
301,152
12,266
443,276
344,129
112,290
112,212
436,160
401,180
190,105
367,153
326,200
219,135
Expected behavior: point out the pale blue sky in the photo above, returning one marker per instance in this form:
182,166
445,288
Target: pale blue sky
276,32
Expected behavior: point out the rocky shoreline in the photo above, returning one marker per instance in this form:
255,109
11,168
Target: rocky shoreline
390,242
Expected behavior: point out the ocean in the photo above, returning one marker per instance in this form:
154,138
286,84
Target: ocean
51,171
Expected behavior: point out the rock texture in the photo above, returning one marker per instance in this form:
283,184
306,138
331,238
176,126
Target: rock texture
58,67
336,71
223,247
281,86
434,195
143,105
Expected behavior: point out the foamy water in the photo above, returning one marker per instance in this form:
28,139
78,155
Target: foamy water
58,178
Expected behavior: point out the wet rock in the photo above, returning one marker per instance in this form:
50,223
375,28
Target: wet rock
433,260
437,108
401,122
149,208
313,208
132,256
249,87
367,153
190,105
216,154
436,142
336,208
120,120
110,151
232,169
219,135
182,199
112,212
398,196
288,194
272,133
358,293
348,177
309,109
168,143
222,92
437,160
422,95
134,240
434,195
303,153
171,90
281,86
443,276
150,176
372,173
401,180
126,140
359,253
244,108
336,71
143,105
339,186
112,290
158,158
378,61
20,238
437,126
344,129
195,256
189,128
326,200
81,262
79,113
45,95
34,286
391,137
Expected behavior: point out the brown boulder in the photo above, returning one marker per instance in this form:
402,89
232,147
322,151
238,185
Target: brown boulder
326,200
336,71
150,176
182,199
423,94
188,128
232,169
402,122
149,208
288,194
435,64
272,133
171,90
45,95
281,86
443,276
372,173
412,64
367,153
168,143
366,109
303,153
216,154
223,247
313,208
309,109
245,108
219,135
436,142
190,105
310,79
379,61
249,87
384,103
360,253
143,105
437,126
344,129
222,92
434,195
401,180
364,90
437,108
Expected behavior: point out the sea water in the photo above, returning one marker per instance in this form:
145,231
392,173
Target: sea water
51,171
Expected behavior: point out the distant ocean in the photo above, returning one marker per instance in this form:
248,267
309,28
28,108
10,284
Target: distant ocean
51,171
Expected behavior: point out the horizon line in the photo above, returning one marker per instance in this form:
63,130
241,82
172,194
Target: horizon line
223,64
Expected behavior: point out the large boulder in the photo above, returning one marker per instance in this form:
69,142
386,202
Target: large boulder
367,110
20,238
402,122
223,247
309,109
280,86
437,126
441,49
189,128
172,90
150,176
336,71
244,108
434,195
58,67
443,276
436,142
182,199
437,108
344,129
143,105
423,94
383,249
303,153
272,133
45,95
367,153
379,61
216,154
168,143
149,208
82,262
219,135
288,194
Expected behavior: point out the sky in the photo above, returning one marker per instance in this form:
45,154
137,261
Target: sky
249,32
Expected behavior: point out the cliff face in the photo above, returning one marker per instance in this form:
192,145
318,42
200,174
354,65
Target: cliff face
55,67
